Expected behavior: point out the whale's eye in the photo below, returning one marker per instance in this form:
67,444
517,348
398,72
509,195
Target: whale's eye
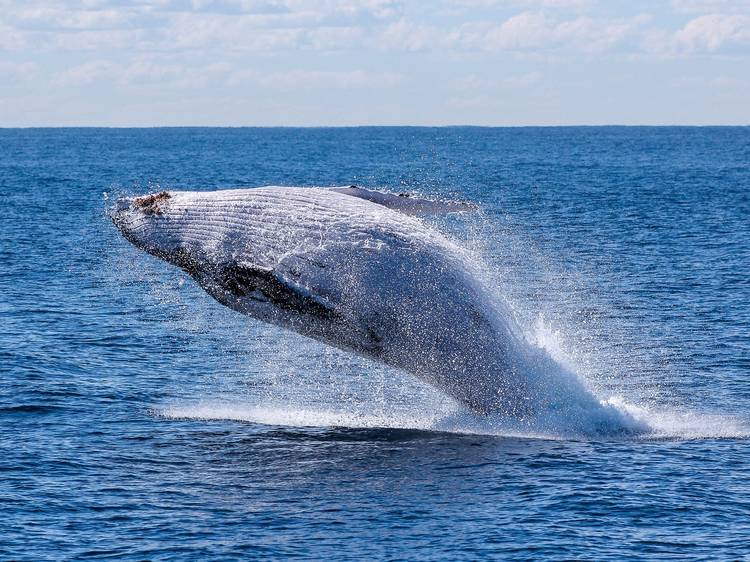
149,204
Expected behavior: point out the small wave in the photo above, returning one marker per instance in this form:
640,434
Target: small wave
29,409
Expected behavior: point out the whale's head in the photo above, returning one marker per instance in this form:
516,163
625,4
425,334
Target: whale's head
149,223
219,238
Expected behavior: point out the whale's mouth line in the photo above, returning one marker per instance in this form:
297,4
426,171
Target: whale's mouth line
128,232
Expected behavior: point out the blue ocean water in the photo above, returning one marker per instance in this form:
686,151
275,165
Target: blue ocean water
142,420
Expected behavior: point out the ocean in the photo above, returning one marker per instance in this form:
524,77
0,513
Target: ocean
141,420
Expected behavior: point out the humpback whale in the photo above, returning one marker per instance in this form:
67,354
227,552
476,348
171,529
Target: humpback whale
355,269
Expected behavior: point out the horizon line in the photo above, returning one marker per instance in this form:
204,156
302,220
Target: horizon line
380,126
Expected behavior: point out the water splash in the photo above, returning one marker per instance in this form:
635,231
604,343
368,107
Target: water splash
569,401
647,425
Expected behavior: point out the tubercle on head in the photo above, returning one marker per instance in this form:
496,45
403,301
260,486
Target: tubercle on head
150,204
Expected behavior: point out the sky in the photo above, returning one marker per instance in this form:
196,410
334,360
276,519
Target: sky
374,62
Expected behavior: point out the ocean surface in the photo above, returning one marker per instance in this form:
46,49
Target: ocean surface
139,419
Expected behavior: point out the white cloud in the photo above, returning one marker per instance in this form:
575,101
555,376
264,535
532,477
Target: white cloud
563,4
58,18
713,32
188,31
172,25
334,38
712,6
269,26
404,35
127,41
168,73
86,73
728,82
537,31
10,39
147,71
305,79
474,83
242,76
522,81
13,72
253,33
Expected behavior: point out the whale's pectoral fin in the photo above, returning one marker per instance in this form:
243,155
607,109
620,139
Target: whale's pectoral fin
405,203
261,283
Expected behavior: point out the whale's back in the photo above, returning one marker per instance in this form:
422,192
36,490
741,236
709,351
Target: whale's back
265,224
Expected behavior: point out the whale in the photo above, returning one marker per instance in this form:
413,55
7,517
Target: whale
357,269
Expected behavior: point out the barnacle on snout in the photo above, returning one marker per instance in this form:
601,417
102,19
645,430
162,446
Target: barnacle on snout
150,204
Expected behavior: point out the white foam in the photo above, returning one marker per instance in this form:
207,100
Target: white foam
291,417
685,424
645,424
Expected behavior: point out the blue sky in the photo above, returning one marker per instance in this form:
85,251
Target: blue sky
360,62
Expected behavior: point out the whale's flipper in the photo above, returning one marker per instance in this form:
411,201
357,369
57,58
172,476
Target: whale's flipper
265,284
405,203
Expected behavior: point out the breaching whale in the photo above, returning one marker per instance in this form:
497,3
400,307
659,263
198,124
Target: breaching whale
356,269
